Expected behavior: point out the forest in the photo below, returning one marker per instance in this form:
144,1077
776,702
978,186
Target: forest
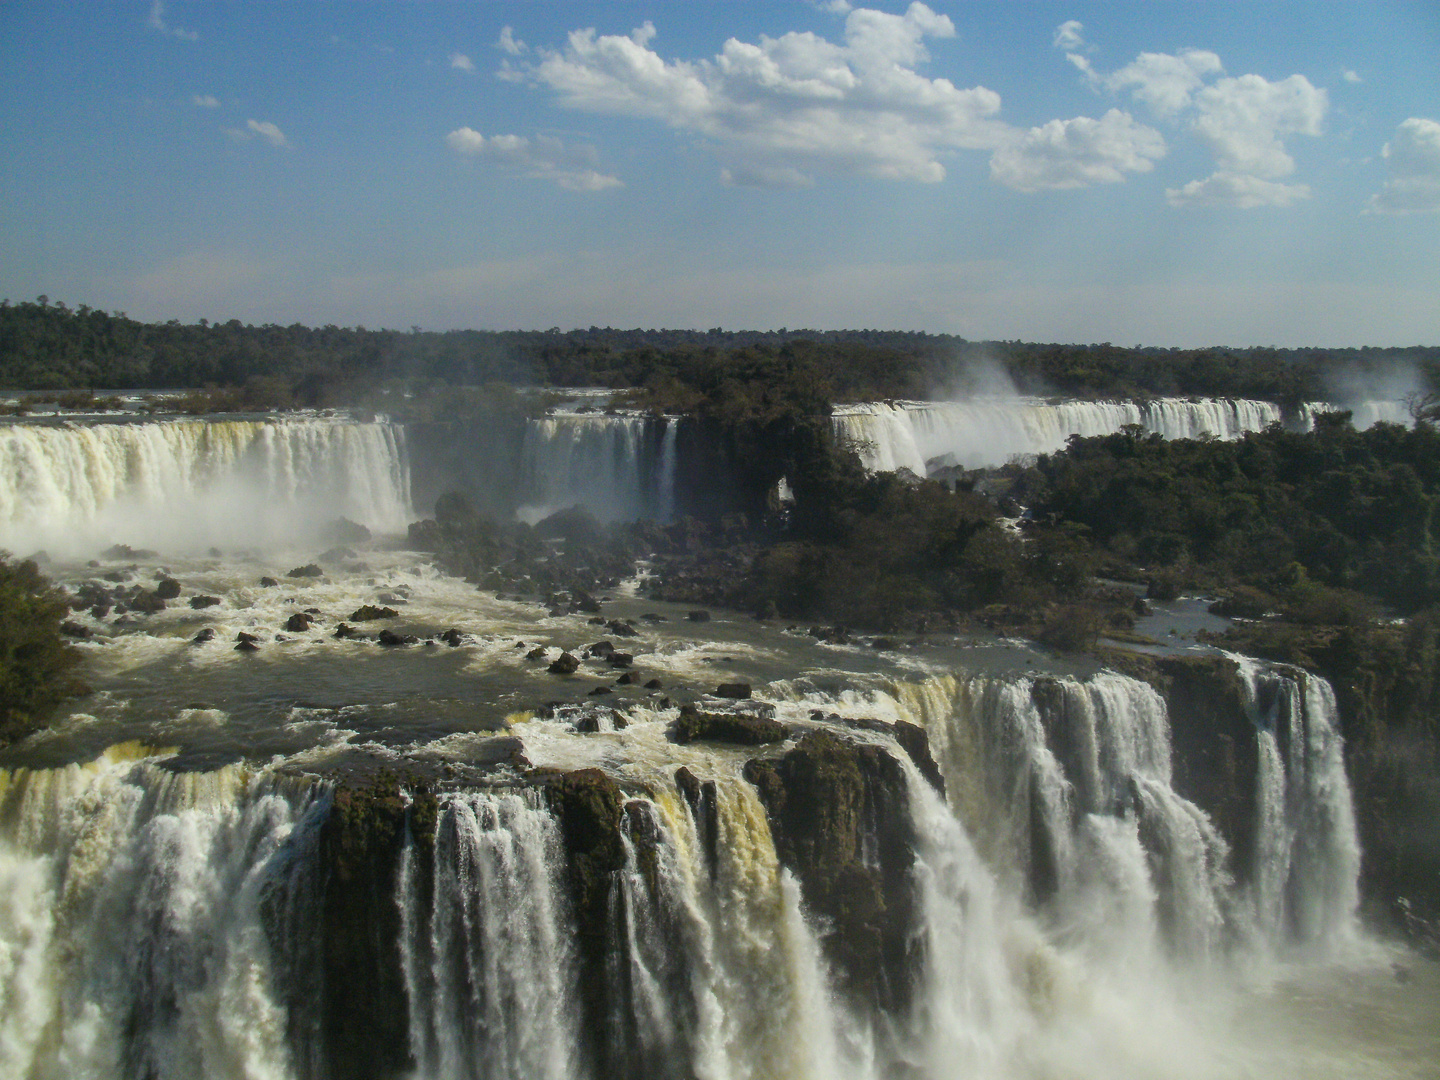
47,345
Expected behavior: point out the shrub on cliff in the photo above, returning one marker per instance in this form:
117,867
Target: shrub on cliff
36,661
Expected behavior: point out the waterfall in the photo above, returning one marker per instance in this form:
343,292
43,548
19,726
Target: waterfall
133,915
609,464
986,432
1307,855
191,484
490,969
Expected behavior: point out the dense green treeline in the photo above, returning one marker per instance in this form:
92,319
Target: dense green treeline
48,345
1279,512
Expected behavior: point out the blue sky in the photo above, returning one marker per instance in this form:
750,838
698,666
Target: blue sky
1143,173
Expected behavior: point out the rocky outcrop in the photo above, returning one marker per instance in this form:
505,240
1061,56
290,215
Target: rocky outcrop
839,812
739,728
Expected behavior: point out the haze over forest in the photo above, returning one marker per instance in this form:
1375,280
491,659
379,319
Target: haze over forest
1170,175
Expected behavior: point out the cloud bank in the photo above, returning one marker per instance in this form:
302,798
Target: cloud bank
780,111
1413,160
544,157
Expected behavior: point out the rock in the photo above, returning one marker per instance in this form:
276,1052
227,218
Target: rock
299,622
452,637
916,743
344,531
651,617
75,630
246,636
309,570
586,603
654,684
698,616
116,576
620,629
735,690
370,613
453,507
694,725
167,589
601,690
99,611
390,638
147,602
628,679
208,634
268,583
839,813
199,603
564,665
128,554
620,659
247,646
537,653
346,633
600,649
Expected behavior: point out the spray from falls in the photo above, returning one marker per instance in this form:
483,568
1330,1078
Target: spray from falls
622,468
191,484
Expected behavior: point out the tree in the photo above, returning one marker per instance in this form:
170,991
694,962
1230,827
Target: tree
36,662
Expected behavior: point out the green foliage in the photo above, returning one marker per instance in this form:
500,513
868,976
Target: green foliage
1315,520
36,662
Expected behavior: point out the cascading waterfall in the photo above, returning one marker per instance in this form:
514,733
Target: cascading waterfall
1307,857
133,909
986,432
171,924
178,484
610,464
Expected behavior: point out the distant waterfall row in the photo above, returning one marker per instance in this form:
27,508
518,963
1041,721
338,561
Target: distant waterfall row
986,432
227,924
622,468
196,483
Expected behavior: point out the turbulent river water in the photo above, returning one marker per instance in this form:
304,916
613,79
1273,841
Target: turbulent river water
167,875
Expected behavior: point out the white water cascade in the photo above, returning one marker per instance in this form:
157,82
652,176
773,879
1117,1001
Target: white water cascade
985,432
133,919
1307,857
191,484
620,467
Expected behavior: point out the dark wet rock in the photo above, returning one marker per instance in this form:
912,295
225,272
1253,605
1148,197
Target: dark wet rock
245,635
99,611
452,637
736,690
268,583
884,643
654,684
565,664
117,576
600,649
370,613
208,634
694,725
309,570
348,633
147,602
621,629
575,526
344,531
76,630
391,598
651,617
839,812
582,601
601,690
537,653
299,622
247,646
698,616
704,809
199,603
390,638
916,743
620,659
628,679
128,554
167,588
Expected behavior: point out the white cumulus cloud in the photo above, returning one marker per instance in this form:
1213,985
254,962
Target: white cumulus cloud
544,157
1077,153
1165,82
1243,121
156,22
794,105
258,129
509,43
461,62
1236,190
205,101
1069,36
1413,160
